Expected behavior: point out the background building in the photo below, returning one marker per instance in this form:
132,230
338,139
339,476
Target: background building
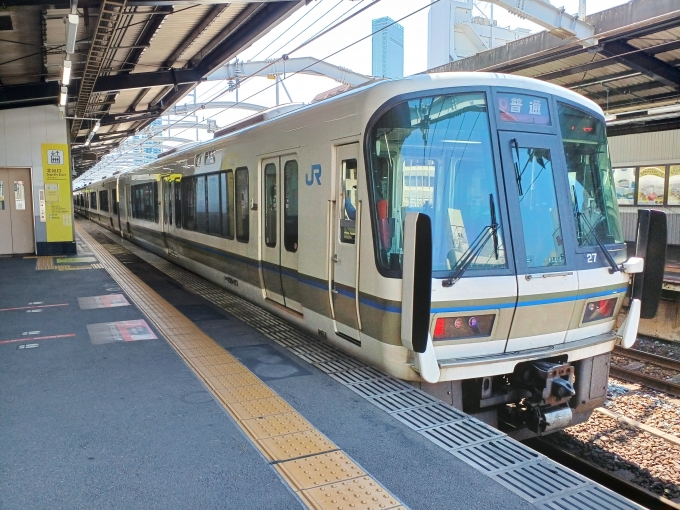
388,48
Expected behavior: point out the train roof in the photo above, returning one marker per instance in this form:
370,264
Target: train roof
375,94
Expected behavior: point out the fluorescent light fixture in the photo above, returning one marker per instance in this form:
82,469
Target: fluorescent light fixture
71,32
66,72
64,96
664,109
96,127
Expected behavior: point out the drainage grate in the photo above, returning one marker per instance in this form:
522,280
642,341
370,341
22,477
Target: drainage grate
403,400
338,365
539,480
496,454
460,434
429,416
377,387
313,354
588,498
358,375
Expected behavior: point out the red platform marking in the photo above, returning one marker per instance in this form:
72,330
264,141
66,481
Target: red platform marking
28,339
34,306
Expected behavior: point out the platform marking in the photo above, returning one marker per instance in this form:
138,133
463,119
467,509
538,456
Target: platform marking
394,402
282,435
31,307
49,337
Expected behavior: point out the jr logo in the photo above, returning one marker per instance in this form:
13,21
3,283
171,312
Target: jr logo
314,174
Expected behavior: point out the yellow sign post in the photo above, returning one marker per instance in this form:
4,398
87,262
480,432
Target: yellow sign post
57,179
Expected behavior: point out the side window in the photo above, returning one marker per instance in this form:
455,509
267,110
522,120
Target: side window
114,201
189,203
178,203
201,213
241,203
226,194
93,200
214,216
167,210
154,201
349,200
104,200
270,205
290,206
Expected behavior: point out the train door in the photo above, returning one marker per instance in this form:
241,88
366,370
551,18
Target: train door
271,246
538,199
344,291
280,230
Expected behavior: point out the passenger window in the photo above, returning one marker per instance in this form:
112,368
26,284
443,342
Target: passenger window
226,193
349,201
178,204
167,194
114,200
93,200
201,213
270,205
543,239
189,203
241,203
214,216
104,200
290,190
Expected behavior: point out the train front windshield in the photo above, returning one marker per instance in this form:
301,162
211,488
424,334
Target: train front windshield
434,155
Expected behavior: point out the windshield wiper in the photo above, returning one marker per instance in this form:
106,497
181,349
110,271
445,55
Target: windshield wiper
488,232
614,268
518,175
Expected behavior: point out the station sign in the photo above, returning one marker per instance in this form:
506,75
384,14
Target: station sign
57,193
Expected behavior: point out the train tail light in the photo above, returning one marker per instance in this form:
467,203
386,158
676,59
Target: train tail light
469,326
598,310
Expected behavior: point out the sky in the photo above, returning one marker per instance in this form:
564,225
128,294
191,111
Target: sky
349,46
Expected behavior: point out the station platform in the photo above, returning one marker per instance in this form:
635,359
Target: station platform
128,382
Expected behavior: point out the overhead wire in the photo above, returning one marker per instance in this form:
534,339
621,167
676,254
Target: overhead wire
269,64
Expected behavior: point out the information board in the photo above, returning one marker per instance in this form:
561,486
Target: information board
57,181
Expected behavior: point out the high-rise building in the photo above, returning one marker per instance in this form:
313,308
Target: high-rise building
388,48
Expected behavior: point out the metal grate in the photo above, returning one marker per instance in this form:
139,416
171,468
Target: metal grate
377,387
539,480
589,498
338,365
460,434
429,416
312,353
496,454
358,375
403,400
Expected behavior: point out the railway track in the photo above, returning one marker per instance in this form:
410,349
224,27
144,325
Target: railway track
628,489
634,376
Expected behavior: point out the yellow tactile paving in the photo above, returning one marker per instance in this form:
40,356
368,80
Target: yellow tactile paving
362,493
260,407
314,467
319,470
274,425
293,446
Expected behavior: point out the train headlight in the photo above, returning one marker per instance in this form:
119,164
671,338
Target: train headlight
598,310
473,326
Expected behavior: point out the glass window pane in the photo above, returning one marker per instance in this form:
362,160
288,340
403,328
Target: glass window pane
674,185
432,156
349,200
652,189
290,222
591,181
241,203
201,213
114,200
214,215
624,180
538,207
154,199
189,203
178,203
227,183
270,205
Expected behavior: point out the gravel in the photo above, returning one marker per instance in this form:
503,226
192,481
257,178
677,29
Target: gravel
663,348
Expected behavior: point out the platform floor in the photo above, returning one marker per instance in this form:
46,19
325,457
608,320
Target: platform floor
228,407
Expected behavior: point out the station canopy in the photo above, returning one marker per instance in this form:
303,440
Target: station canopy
133,59
631,72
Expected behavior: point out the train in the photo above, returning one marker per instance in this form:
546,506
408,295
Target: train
459,231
